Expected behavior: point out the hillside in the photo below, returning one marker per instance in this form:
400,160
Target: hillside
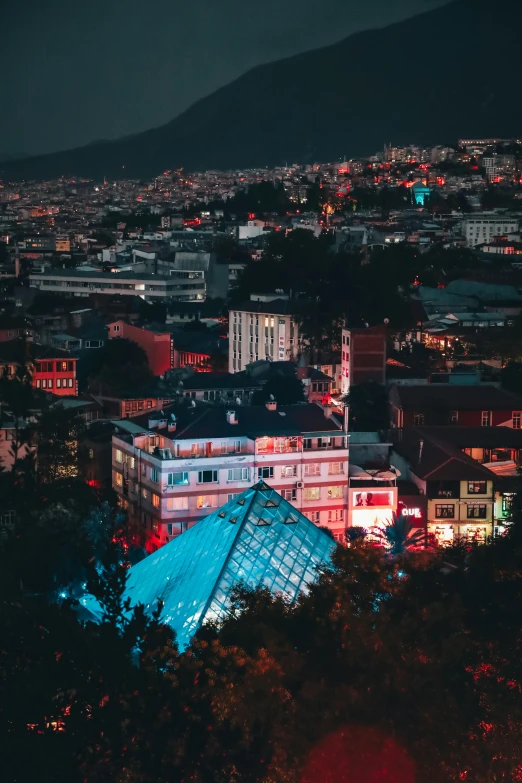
442,75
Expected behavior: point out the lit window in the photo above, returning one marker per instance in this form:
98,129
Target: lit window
477,511
516,419
335,468
207,501
119,479
445,511
312,493
486,419
118,456
177,504
155,500
313,469
288,471
177,478
477,487
335,492
58,383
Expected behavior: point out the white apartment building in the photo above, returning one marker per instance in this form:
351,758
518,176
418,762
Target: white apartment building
262,329
178,285
172,469
479,229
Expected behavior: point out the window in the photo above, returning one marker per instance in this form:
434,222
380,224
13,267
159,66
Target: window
119,479
144,493
58,383
177,504
307,443
197,449
476,511
289,494
154,474
50,383
516,419
445,511
507,505
131,462
265,473
207,501
477,487
155,500
312,493
70,383
335,492
289,471
224,447
233,495
335,468
118,456
207,477
325,443
313,469
177,478
418,419
313,516
336,515
454,417
486,419
239,474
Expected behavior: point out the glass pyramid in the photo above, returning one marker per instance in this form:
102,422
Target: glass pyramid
258,538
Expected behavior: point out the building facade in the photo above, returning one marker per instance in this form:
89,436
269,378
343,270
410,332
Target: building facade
481,229
170,473
263,329
363,356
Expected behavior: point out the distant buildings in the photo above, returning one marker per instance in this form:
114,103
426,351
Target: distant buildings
363,356
482,229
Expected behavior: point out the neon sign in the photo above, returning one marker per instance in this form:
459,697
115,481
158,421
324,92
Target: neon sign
416,513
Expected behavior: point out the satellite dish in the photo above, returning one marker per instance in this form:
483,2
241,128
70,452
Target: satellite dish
272,398
386,321
238,401
193,403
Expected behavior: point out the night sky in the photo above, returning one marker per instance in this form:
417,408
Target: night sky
75,72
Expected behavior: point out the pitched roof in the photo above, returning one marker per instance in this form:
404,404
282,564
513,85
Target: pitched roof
437,460
469,398
275,306
476,437
258,539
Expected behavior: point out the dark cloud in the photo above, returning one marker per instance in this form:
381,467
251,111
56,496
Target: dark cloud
74,73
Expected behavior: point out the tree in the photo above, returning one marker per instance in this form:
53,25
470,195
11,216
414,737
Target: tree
399,536
286,390
368,404
58,431
118,367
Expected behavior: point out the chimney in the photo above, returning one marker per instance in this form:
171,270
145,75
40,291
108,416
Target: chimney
421,446
231,417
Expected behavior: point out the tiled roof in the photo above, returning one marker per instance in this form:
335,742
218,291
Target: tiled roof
468,398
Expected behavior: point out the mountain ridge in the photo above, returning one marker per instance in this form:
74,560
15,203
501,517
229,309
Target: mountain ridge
409,81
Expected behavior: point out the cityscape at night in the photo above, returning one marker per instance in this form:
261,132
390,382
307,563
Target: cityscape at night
261,404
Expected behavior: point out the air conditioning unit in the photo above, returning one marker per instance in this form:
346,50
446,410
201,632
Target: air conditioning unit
299,485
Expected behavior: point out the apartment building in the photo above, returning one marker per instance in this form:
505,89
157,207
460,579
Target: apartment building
263,328
179,284
481,229
172,467
51,369
363,356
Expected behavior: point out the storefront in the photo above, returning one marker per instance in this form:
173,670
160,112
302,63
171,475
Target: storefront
370,506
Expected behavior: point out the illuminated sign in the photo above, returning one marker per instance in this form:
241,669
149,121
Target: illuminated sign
411,512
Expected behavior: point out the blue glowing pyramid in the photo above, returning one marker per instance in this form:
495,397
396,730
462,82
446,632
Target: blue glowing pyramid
258,539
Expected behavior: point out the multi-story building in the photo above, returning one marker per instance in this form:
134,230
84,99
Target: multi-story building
468,406
481,229
459,490
363,356
171,467
51,369
178,284
157,345
263,328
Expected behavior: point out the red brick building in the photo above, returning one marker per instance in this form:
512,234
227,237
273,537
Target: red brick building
363,356
467,406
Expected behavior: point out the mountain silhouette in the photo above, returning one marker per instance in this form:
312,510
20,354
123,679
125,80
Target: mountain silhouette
445,74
